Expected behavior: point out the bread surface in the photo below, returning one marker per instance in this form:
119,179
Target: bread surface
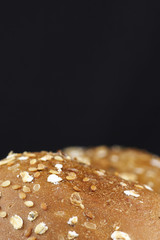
128,163
49,196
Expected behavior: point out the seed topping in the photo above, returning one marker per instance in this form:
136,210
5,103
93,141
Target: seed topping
53,178
16,222
41,228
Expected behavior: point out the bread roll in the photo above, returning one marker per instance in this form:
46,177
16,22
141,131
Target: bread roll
49,196
129,163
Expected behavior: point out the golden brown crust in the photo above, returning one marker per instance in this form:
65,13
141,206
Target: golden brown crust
128,163
48,196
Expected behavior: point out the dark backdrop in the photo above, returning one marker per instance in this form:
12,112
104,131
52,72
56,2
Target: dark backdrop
80,74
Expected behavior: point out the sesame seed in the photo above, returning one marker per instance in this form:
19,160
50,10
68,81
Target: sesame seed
100,172
46,157
86,179
41,228
76,189
89,214
33,161
3,214
26,189
53,171
32,169
71,176
6,184
28,232
36,187
37,175
59,213
22,195
90,225
41,166
32,216
29,203
139,186
32,238
44,206
16,222
29,154
93,188
58,158
16,187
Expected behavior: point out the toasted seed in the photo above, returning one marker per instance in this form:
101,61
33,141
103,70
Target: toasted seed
41,228
37,175
26,189
22,195
76,200
73,220
36,187
41,166
53,171
86,179
32,216
44,206
76,189
89,214
26,177
90,225
29,203
32,169
32,238
93,188
58,158
71,176
6,183
72,235
33,161
16,222
28,232
3,214
16,187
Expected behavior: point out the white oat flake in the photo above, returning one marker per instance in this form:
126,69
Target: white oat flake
131,193
32,216
26,177
59,167
148,187
53,178
41,228
16,222
22,158
72,234
118,235
73,220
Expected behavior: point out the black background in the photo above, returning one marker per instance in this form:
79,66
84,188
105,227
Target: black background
80,74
